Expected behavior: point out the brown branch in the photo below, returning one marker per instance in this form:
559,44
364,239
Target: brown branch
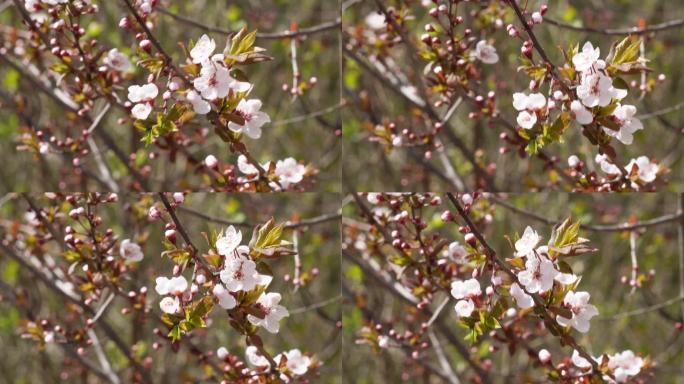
681,250
289,225
326,26
665,219
619,31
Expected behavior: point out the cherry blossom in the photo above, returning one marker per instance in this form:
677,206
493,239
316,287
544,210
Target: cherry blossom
526,120
596,89
297,363
239,274
210,161
573,161
579,361
534,101
566,278
624,116
582,114
465,289
544,356
203,49
255,358
585,59
464,308
228,241
222,353
624,365
538,274
582,311
173,286
646,170
268,302
199,105
374,197
117,60
486,52
250,111
225,299
375,20
456,252
526,244
606,166
289,171
142,93
130,251
170,305
141,111
521,298
215,81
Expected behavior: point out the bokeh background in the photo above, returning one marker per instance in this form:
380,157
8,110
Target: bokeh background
369,166
315,307
652,332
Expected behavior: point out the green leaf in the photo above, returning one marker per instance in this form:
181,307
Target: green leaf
626,51
175,333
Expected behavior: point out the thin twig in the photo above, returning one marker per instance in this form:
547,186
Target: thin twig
665,219
326,26
619,31
288,225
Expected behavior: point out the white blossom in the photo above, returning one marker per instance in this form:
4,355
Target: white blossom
566,278
297,363
456,252
130,251
526,119
173,286
582,114
289,172
585,59
486,52
526,244
141,111
374,197
215,81
646,170
538,274
117,60
239,274
465,289
596,89
624,365
544,356
255,358
170,305
222,353
228,241
582,311
521,298
250,111
199,105
464,308
269,303
142,93
225,299
573,161
203,49
579,361
375,20
624,116
210,161
606,166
